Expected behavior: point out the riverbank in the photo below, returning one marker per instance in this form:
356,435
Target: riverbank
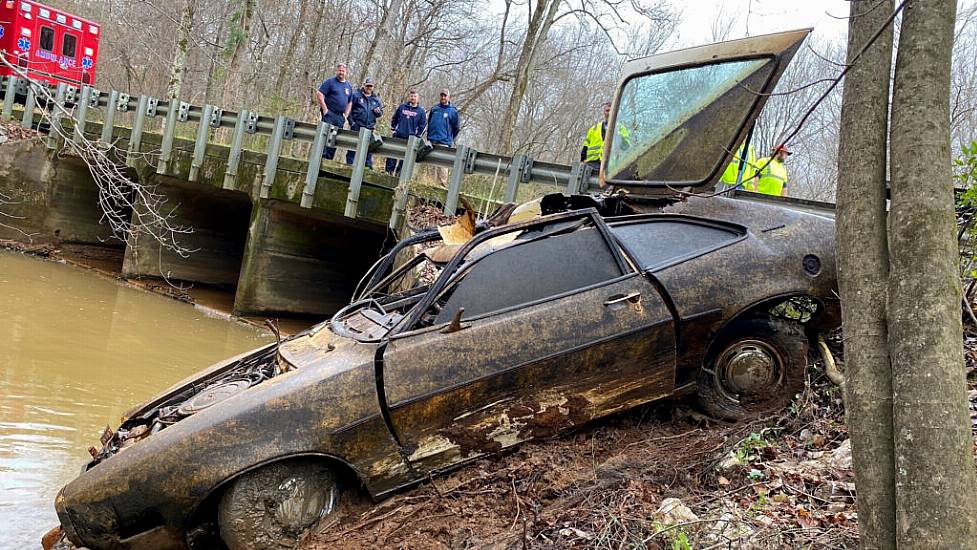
106,261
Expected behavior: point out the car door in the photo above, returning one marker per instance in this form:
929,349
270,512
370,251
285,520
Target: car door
557,330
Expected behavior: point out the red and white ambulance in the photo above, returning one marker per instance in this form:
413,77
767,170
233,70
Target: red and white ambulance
50,44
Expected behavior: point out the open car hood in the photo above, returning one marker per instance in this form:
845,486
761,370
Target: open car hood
679,116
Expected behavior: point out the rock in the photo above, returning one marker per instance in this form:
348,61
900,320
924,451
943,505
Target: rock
728,462
673,512
727,529
806,435
837,507
840,458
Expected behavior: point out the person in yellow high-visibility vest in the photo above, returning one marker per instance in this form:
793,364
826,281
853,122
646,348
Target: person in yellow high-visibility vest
731,176
593,144
773,172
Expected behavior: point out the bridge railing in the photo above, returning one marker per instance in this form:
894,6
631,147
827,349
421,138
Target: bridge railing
462,160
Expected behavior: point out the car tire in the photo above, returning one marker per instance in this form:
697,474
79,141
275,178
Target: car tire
270,507
757,366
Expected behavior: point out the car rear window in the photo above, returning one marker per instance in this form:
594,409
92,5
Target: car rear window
534,271
659,243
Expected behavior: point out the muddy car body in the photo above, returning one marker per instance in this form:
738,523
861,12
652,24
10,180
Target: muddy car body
450,352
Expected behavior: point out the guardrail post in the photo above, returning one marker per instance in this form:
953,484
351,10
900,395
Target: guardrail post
173,107
576,176
28,119
274,151
86,97
515,176
8,97
135,138
585,175
315,162
200,147
464,157
109,119
406,173
359,166
54,135
234,156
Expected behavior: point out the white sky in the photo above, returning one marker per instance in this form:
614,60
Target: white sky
762,16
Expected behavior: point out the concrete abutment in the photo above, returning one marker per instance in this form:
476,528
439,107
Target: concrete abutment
217,225
299,263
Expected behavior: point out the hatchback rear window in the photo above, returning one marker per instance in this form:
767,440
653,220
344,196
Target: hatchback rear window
656,244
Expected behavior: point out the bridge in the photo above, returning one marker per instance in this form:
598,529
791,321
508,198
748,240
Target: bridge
289,231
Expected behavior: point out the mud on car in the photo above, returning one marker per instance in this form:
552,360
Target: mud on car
525,327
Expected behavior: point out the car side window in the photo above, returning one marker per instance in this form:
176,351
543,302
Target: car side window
658,243
525,273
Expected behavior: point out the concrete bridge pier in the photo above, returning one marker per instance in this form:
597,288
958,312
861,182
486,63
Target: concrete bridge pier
219,221
303,261
73,214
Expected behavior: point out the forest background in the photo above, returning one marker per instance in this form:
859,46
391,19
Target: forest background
527,76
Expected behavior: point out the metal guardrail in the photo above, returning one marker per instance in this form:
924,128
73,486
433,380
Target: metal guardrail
462,160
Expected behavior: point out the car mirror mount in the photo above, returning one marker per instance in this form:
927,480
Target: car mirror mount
455,324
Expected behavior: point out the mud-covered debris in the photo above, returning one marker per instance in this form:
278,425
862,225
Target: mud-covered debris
673,512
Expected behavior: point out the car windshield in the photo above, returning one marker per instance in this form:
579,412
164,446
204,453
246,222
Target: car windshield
393,286
675,126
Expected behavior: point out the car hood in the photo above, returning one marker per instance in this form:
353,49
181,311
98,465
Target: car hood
679,116
317,348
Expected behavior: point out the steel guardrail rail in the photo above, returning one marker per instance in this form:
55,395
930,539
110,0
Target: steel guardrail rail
461,160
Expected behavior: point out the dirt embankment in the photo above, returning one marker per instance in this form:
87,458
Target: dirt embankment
662,476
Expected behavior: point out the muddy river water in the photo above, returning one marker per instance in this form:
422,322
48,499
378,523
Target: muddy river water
76,350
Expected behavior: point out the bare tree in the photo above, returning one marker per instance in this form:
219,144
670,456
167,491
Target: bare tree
935,479
863,269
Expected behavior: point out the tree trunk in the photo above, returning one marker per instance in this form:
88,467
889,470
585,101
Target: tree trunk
863,269
935,478
238,43
283,80
536,34
179,67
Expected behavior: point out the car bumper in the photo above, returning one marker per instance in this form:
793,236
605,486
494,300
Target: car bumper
96,527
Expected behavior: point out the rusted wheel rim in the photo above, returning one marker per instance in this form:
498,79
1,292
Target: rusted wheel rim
749,367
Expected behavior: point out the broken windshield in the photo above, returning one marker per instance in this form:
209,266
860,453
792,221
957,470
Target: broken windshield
679,123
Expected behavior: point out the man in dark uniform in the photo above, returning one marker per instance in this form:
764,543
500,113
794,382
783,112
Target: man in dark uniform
335,96
367,108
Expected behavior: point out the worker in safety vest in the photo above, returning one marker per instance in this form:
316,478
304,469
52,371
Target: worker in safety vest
593,145
731,176
773,172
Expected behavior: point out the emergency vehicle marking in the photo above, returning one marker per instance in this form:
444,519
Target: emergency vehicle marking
24,44
87,63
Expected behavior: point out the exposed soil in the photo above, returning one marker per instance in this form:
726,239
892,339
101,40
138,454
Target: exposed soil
770,482
662,476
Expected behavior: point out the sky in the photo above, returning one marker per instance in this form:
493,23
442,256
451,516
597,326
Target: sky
760,17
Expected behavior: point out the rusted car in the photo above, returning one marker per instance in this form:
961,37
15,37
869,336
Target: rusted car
451,351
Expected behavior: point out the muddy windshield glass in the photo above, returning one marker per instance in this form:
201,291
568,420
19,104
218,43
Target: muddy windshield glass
675,126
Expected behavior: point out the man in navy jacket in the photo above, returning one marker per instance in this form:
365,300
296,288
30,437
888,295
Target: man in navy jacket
442,128
443,124
335,97
367,107
409,120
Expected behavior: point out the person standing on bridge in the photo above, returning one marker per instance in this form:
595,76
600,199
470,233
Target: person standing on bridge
593,145
367,107
442,128
335,96
408,120
773,172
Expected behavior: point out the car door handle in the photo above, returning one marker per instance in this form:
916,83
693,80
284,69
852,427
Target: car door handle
633,297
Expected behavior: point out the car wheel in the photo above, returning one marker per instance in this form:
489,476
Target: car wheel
270,507
758,366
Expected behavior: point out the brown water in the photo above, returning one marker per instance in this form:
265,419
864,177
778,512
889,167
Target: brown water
77,350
